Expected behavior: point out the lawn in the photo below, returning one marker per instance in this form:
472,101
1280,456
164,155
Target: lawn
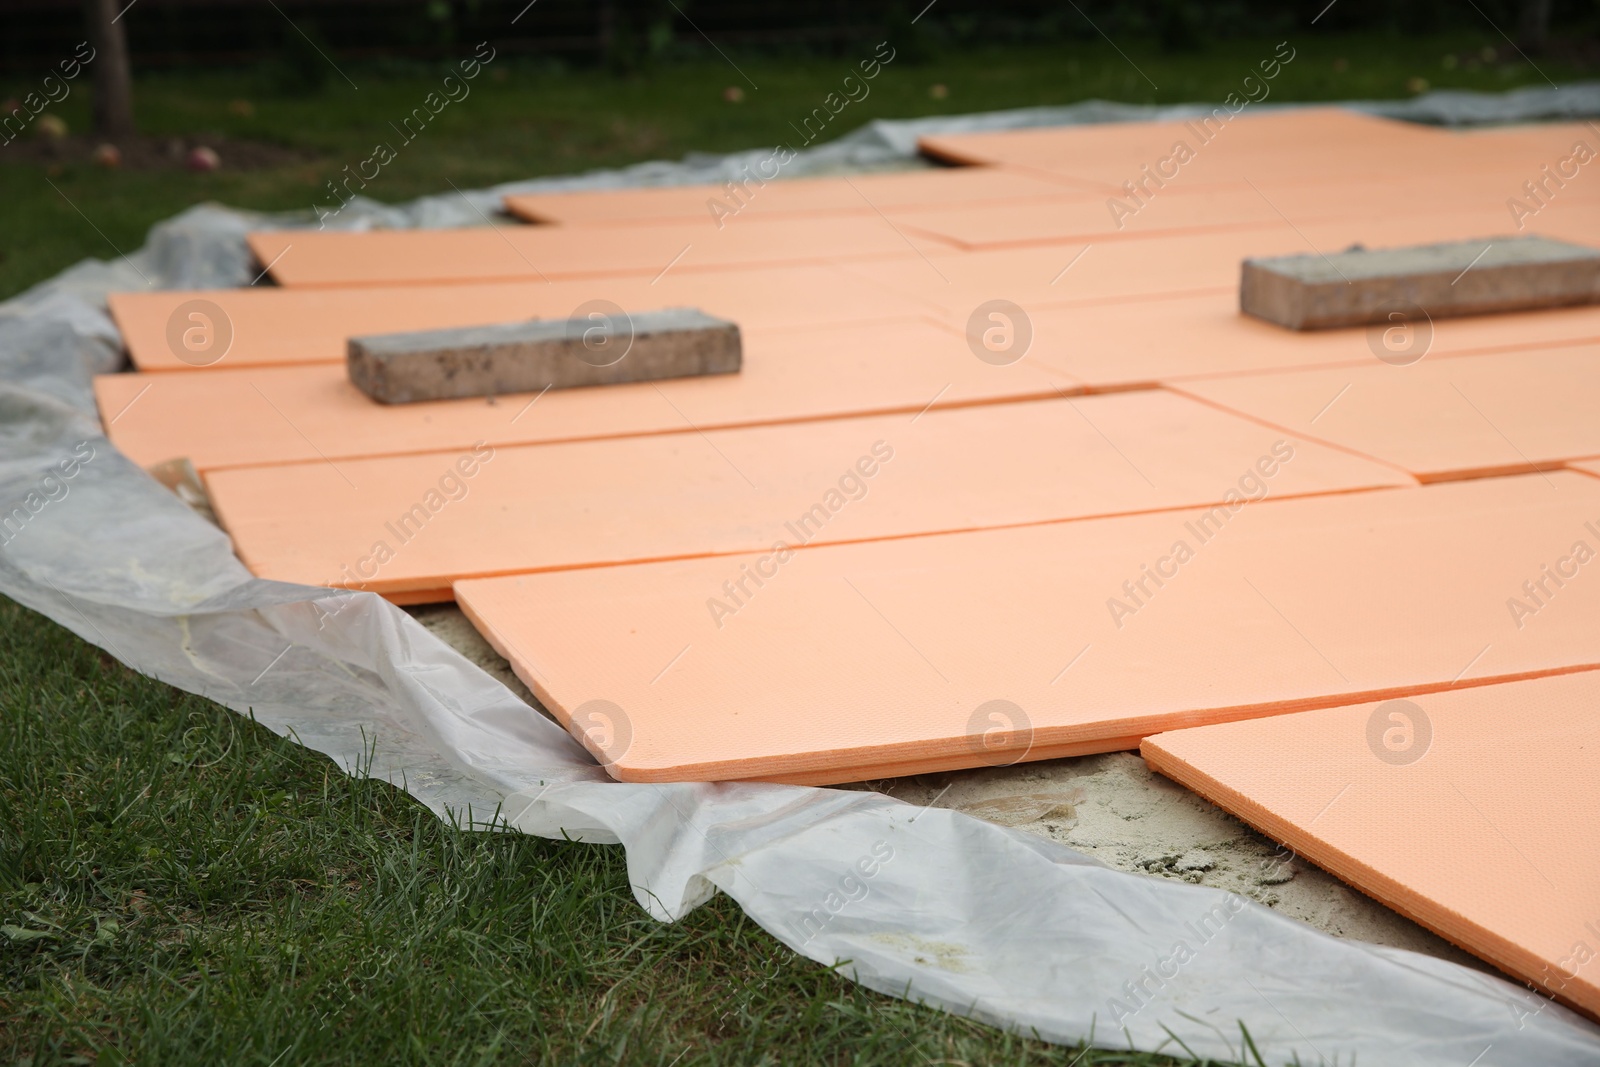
179,885
525,118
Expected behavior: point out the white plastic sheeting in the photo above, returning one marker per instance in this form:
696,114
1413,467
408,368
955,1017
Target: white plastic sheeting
930,904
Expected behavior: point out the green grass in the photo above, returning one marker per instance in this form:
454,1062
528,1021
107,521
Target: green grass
179,885
524,119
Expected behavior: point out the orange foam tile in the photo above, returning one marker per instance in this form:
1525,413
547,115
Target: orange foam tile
718,206
1072,272
1299,160
272,326
1475,202
834,663
1471,812
1176,339
463,255
1114,142
275,327
1465,417
1545,142
508,253
954,285
1078,219
304,413
740,490
1324,144
267,415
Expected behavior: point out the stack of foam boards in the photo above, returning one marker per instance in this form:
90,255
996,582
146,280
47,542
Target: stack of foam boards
1006,476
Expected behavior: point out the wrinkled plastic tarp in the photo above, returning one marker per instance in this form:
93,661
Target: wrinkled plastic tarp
929,904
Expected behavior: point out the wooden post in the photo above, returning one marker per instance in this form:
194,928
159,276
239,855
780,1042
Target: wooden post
113,79
1533,24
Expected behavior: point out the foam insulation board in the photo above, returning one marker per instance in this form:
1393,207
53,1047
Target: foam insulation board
1321,144
1473,204
750,198
1464,417
1540,142
251,416
1179,339
842,663
1471,811
535,253
269,326
1136,267
1073,273
412,525
1319,148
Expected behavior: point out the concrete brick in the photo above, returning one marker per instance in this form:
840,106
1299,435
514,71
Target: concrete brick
524,357
1362,286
